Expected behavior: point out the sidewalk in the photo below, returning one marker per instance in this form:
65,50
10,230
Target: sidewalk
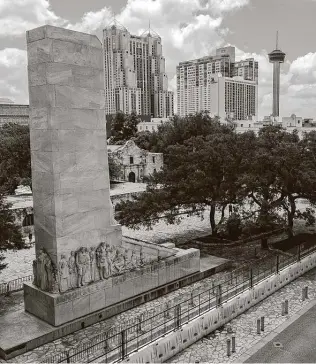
213,348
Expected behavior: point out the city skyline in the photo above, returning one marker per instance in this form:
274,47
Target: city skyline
193,30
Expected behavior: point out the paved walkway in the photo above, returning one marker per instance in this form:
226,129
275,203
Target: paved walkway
213,348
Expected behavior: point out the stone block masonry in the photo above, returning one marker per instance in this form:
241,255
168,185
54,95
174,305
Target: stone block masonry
72,205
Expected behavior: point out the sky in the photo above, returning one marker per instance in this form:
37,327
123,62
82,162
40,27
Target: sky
189,29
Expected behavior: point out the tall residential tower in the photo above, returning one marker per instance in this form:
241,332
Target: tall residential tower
276,57
135,77
220,85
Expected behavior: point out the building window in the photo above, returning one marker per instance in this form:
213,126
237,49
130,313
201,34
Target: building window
131,160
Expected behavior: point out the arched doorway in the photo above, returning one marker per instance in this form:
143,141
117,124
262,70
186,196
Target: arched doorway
131,177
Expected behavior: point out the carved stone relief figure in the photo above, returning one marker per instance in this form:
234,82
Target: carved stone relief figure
42,279
119,262
125,258
63,271
108,261
93,265
142,260
87,276
81,266
72,270
44,272
133,261
101,260
35,273
54,284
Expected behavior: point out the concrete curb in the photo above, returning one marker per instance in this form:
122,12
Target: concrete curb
275,332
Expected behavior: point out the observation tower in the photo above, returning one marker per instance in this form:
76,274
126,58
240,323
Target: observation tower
276,57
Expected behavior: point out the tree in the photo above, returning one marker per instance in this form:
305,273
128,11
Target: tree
10,233
114,168
273,175
15,156
123,128
199,173
177,130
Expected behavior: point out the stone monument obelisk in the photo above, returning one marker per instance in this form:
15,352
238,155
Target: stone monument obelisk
73,215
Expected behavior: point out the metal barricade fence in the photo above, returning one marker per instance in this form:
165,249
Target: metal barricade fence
14,285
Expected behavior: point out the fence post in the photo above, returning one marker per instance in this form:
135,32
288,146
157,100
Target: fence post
286,307
68,357
262,323
299,253
303,294
228,347
306,292
283,309
139,324
123,344
219,295
192,300
277,263
106,347
177,317
233,344
251,278
258,327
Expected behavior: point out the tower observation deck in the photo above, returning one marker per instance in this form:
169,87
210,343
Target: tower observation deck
276,57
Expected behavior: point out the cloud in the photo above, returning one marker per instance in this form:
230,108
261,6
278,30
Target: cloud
18,16
13,74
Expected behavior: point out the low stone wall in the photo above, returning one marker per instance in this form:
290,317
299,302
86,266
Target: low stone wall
165,348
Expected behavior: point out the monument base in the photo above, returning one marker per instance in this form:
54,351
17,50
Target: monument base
21,332
57,309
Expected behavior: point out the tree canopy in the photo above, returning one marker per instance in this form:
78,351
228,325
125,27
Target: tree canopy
10,232
15,156
208,165
123,127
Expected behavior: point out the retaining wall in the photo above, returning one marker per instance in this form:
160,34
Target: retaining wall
165,348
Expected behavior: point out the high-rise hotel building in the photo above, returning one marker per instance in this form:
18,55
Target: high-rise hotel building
220,85
135,78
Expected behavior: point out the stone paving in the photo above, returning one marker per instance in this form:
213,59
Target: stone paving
213,348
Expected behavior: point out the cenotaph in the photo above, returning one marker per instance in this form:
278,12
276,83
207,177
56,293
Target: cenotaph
82,263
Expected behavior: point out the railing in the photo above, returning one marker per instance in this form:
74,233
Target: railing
14,285
118,342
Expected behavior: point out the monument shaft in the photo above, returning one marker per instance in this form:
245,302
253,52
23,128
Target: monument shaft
70,178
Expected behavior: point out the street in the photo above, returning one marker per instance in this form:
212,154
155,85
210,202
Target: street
297,343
